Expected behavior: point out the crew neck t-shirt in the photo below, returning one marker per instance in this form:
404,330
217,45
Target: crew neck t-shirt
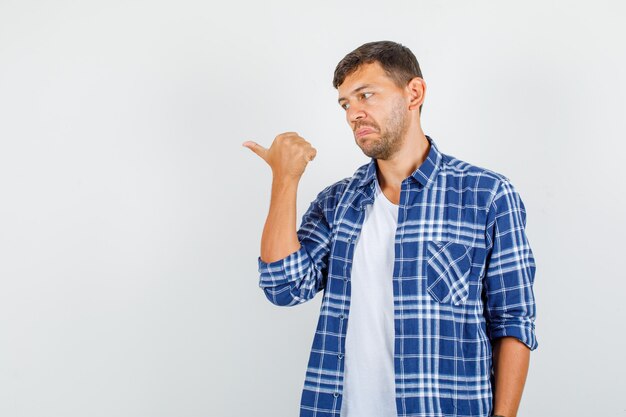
369,378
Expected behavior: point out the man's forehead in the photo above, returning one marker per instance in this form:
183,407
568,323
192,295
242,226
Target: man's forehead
363,71
366,75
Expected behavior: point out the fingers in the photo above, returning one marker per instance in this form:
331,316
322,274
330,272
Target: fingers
311,155
256,148
285,155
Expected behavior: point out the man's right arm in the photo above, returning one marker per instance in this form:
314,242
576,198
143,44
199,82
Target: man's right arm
293,265
301,272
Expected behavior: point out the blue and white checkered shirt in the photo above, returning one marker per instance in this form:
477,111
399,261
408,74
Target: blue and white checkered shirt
463,276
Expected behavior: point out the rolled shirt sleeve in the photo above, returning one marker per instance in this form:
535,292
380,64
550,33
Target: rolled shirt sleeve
301,274
510,269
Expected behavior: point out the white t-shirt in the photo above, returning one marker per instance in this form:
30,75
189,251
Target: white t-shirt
369,377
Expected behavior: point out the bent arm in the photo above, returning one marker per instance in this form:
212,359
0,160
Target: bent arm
302,271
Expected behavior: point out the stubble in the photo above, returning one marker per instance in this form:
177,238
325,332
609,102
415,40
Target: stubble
392,134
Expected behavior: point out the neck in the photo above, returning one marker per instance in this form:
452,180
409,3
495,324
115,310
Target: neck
414,150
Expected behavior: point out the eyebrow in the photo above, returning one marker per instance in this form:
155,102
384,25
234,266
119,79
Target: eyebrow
356,90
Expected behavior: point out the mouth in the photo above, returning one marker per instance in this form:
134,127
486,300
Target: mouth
363,132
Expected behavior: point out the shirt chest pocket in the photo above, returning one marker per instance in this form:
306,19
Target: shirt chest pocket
448,271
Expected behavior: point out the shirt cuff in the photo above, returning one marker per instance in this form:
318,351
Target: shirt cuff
523,331
290,268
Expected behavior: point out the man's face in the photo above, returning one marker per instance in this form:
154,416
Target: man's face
376,110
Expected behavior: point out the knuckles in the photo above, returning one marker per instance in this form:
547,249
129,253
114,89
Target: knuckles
294,146
290,139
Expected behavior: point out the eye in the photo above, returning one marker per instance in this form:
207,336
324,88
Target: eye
345,106
366,95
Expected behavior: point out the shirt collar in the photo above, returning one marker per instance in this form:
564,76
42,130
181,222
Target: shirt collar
424,174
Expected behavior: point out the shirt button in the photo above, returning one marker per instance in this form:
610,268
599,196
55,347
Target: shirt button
341,317
336,394
349,239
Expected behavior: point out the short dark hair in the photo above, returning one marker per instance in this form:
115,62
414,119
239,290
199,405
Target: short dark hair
397,60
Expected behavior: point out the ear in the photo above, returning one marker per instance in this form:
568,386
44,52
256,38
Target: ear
417,90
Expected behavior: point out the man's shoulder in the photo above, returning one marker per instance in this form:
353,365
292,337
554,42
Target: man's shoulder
480,176
333,192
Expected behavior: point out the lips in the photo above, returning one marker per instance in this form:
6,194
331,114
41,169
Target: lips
363,131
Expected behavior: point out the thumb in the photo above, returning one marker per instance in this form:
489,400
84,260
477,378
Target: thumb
256,148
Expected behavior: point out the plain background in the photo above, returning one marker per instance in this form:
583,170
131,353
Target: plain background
131,216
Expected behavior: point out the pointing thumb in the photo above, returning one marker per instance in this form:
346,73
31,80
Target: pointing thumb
256,148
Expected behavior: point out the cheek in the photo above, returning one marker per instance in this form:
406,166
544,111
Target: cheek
373,119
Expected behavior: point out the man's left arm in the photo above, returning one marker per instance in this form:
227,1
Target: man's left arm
510,302
510,363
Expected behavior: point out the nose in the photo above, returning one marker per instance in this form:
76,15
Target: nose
355,113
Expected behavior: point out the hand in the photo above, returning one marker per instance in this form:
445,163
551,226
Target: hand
288,155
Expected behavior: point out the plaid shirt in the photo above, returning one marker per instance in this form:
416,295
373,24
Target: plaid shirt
463,276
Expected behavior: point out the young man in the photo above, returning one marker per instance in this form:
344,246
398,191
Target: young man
428,307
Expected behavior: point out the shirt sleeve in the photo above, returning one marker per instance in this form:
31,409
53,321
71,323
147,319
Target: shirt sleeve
510,269
303,273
